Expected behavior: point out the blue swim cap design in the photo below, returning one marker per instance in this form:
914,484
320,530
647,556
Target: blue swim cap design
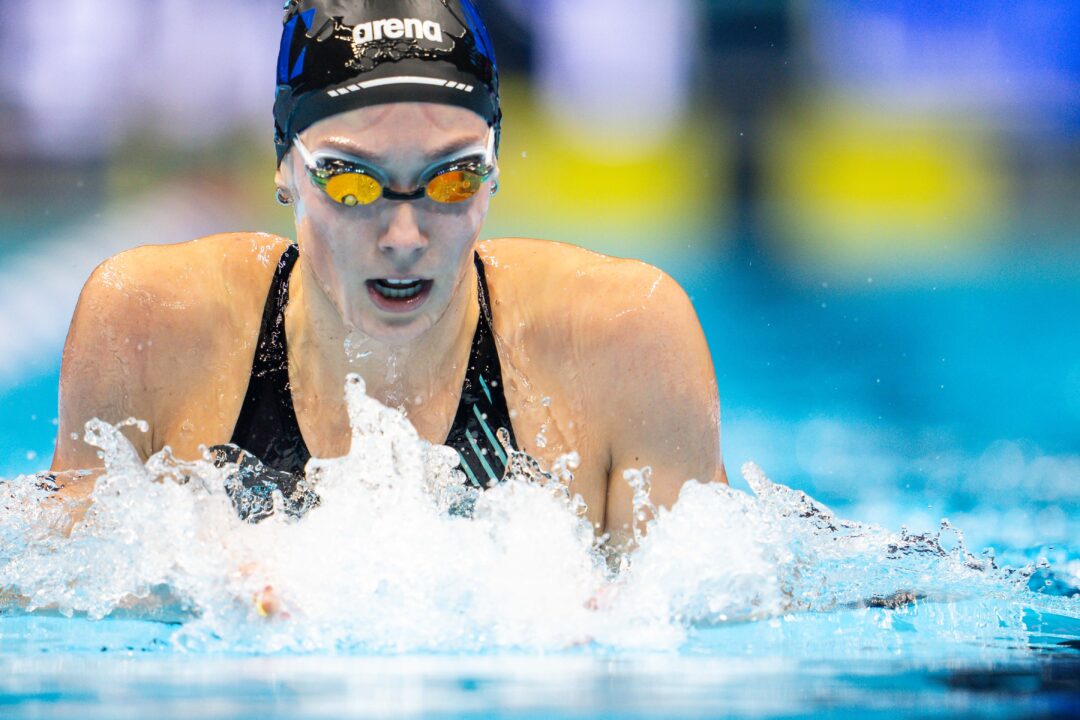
338,55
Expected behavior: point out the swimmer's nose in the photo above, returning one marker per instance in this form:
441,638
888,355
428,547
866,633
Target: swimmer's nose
402,239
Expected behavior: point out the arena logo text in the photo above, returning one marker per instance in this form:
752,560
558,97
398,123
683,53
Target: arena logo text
397,28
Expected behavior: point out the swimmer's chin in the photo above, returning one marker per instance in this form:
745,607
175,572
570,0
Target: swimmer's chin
393,330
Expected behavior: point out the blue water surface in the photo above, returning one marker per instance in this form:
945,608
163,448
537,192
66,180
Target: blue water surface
56,667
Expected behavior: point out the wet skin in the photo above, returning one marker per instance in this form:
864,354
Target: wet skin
600,355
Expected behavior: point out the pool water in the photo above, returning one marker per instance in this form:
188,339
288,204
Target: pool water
58,667
893,408
120,671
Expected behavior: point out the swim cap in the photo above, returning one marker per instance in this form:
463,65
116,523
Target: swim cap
338,55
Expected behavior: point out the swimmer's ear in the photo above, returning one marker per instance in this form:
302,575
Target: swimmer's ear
282,172
283,177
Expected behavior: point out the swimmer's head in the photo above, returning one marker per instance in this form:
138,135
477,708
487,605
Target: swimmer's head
340,55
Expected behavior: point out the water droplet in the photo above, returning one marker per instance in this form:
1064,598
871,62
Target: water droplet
357,347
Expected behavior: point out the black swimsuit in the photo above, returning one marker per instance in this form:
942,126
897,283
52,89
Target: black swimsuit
270,450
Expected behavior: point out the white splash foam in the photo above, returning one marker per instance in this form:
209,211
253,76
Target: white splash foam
400,555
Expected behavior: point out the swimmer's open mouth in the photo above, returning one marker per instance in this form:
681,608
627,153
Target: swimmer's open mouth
399,294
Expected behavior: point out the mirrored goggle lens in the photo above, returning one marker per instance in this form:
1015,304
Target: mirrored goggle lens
454,186
353,189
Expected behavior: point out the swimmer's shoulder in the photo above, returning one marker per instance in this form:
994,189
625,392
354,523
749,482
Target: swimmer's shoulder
616,321
155,324
217,277
233,260
572,289
192,302
628,336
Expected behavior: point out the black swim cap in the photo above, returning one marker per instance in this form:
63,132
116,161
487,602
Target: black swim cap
338,55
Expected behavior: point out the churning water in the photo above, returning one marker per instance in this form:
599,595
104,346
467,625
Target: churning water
400,556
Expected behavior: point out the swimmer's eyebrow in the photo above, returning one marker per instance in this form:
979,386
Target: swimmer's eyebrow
447,149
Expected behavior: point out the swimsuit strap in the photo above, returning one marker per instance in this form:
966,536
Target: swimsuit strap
267,426
482,411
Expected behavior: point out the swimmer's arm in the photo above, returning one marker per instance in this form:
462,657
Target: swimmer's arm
663,409
104,369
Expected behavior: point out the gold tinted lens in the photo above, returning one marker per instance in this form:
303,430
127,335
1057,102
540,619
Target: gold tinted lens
454,186
353,189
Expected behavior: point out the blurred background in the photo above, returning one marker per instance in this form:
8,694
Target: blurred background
874,206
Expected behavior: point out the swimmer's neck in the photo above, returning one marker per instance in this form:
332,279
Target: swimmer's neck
423,368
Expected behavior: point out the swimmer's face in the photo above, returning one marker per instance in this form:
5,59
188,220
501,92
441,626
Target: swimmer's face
358,254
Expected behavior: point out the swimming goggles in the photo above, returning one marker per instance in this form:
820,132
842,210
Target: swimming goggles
352,183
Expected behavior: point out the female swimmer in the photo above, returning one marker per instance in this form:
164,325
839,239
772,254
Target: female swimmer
387,126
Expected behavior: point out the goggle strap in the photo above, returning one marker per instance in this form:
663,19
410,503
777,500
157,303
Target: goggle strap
305,154
489,152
